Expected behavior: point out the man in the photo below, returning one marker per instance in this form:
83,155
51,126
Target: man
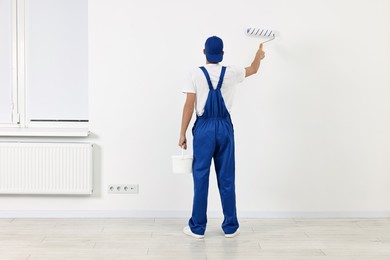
211,92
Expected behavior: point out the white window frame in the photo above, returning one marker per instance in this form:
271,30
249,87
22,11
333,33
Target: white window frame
14,90
19,120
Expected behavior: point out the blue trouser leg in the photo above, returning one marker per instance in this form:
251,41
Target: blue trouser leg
203,146
225,170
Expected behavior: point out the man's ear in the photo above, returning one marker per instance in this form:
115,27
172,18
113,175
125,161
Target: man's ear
204,51
223,52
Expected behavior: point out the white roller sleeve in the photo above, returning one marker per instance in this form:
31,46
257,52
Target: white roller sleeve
260,32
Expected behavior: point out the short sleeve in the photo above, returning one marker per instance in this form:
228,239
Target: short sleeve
189,84
239,73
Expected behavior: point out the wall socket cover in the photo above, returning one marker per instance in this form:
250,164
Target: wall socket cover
123,188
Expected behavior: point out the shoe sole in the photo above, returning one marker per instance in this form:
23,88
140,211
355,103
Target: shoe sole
189,233
233,235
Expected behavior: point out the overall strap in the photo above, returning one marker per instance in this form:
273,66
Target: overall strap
221,77
207,77
209,80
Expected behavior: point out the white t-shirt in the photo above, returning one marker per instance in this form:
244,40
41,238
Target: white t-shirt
197,83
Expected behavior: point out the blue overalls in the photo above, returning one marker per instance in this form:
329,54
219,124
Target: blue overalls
214,139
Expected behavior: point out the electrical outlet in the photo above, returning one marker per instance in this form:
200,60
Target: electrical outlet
123,188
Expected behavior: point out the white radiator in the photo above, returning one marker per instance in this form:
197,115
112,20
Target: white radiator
45,168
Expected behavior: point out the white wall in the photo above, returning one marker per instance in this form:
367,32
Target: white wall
312,128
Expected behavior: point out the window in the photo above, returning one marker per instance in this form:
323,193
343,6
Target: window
46,48
5,62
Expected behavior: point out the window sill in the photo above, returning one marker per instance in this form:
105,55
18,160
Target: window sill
44,132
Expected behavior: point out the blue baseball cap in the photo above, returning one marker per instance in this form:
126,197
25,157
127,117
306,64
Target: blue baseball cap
214,49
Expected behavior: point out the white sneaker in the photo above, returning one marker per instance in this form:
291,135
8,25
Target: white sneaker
234,234
187,231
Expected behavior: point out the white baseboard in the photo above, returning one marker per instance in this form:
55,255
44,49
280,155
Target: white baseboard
185,214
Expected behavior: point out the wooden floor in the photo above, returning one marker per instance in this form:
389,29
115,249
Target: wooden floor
129,238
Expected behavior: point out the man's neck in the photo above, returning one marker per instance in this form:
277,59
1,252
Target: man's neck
207,62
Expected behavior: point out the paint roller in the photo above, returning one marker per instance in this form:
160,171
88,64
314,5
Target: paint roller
267,35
